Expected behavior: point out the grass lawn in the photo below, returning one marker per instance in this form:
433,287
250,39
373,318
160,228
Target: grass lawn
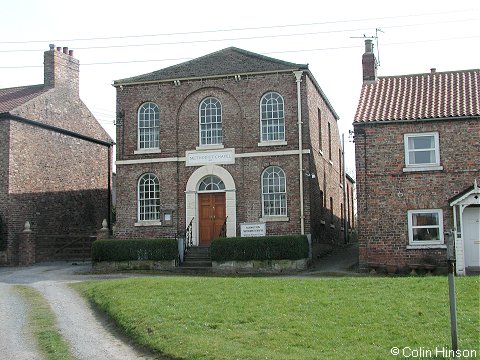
290,318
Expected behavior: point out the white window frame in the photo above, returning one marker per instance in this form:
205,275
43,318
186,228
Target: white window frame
280,121
153,144
141,220
423,166
283,215
216,126
419,243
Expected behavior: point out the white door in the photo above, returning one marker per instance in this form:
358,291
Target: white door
471,236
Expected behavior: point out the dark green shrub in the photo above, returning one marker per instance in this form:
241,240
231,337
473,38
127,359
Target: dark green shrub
286,247
137,249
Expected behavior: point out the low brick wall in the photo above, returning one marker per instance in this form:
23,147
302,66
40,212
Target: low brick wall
133,265
261,266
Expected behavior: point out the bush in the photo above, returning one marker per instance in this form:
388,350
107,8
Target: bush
287,247
137,249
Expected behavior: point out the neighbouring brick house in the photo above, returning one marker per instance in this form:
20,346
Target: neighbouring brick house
226,141
55,162
417,142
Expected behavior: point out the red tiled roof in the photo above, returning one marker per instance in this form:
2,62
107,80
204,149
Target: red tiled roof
11,98
420,96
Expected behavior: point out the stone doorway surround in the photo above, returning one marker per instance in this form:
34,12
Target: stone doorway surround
191,199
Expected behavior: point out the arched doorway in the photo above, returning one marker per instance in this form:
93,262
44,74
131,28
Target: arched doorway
211,209
210,197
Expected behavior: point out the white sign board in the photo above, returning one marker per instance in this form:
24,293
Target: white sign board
197,158
252,229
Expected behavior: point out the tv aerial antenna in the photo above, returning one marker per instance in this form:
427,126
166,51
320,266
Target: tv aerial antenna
377,30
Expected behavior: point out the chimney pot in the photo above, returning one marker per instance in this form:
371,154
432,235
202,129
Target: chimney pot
368,46
70,52
65,50
51,46
433,70
59,48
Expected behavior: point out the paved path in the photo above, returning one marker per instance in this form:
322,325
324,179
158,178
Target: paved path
89,337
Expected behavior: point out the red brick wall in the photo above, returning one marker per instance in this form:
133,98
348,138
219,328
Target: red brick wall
326,226
57,182
4,144
241,130
386,193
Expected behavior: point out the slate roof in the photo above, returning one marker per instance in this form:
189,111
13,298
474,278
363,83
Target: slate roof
229,61
10,98
421,96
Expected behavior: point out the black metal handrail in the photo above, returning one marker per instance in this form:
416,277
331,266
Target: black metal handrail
223,230
188,238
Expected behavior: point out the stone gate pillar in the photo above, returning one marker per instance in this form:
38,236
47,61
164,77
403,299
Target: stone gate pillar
26,246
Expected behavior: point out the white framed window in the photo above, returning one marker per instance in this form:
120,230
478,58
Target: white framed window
425,227
422,151
274,193
211,183
210,119
148,126
148,198
272,118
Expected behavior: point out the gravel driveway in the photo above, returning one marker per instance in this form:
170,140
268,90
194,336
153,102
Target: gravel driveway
89,336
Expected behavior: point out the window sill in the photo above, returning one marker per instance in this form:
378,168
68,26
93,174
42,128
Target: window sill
332,226
272,143
274,218
148,223
209,147
331,162
147,151
426,246
422,168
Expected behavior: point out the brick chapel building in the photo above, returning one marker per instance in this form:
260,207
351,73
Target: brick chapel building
55,163
417,148
228,140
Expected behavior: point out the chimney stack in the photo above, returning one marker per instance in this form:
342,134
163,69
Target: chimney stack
61,69
369,63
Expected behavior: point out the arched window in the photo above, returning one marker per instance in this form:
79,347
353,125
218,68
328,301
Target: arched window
210,122
149,126
148,198
211,183
274,194
272,118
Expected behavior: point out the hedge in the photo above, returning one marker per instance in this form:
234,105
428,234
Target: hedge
286,247
137,249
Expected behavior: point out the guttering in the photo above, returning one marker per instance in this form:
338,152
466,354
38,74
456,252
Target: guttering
8,116
384,122
298,79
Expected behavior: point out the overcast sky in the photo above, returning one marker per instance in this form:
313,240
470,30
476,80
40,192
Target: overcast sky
119,39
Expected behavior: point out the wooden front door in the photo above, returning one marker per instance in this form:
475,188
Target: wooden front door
212,215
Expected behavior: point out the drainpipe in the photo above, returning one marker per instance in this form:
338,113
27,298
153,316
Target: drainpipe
298,77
